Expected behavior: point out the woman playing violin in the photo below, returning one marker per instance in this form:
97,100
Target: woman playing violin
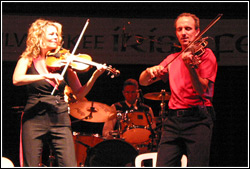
45,115
188,125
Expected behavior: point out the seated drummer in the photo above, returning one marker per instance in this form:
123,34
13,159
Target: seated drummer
130,104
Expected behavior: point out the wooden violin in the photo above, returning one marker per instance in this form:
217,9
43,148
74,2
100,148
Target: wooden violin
61,59
81,62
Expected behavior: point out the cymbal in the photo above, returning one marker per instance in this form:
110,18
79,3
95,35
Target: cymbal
91,111
157,96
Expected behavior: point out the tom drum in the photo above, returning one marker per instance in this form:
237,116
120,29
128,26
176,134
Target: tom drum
137,129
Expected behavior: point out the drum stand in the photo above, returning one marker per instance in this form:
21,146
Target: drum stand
163,105
88,150
51,158
119,118
152,136
162,113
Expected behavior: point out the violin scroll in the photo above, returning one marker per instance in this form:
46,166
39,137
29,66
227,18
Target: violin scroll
113,72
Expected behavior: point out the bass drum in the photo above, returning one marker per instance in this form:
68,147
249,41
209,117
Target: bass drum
111,153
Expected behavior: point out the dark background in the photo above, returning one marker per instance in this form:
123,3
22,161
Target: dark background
230,137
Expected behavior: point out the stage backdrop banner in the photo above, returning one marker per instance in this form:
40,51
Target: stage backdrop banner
129,41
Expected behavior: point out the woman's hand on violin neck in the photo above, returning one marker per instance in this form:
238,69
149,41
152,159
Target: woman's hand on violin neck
101,66
99,71
54,76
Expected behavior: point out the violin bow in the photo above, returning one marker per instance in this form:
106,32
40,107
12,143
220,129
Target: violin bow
72,54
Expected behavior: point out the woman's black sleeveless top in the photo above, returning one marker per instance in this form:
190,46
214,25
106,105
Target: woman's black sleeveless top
41,101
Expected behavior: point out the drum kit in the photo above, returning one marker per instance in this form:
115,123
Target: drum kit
134,135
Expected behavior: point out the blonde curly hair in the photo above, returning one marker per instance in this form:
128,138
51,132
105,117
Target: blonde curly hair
36,33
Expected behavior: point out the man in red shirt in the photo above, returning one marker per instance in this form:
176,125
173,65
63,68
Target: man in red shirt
189,122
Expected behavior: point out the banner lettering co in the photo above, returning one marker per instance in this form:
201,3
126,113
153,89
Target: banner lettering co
129,41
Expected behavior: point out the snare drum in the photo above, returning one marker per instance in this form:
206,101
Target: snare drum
137,129
84,142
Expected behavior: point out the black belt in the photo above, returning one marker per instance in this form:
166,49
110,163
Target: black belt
184,112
